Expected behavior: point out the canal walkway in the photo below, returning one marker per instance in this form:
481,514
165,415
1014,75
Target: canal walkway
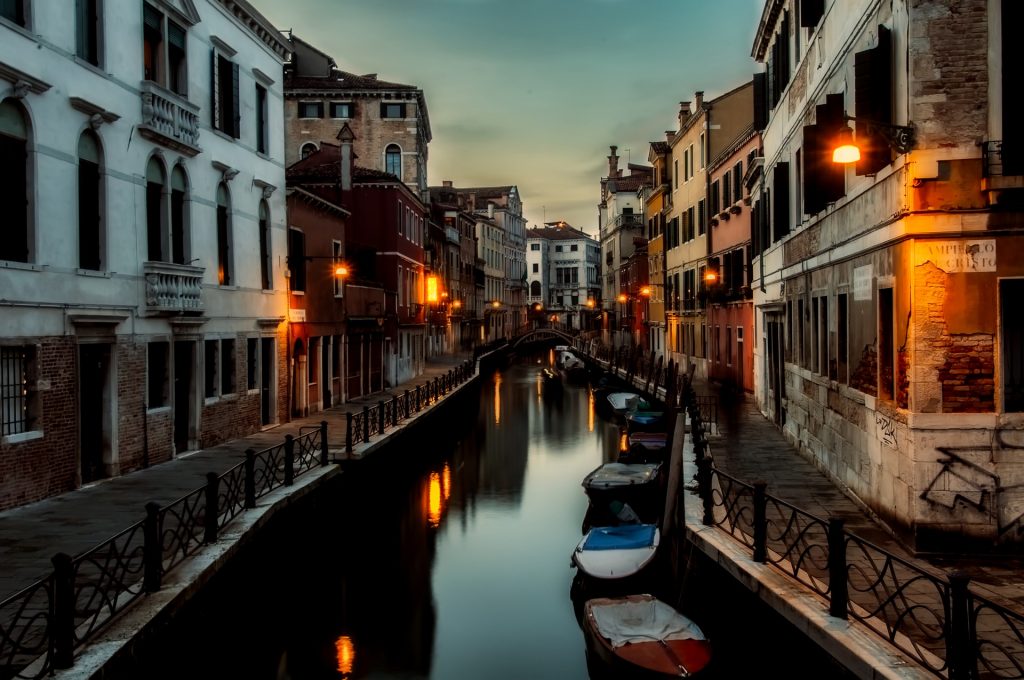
78,520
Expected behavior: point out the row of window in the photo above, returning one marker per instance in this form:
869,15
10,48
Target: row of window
168,207
346,109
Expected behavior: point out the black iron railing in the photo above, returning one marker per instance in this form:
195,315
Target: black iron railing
42,625
377,419
936,620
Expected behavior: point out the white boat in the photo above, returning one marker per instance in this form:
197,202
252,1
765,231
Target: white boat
623,402
618,552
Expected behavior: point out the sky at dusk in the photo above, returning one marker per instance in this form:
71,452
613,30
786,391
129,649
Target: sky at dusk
533,92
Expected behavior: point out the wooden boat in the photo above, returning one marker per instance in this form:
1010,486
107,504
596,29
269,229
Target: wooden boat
616,553
622,403
640,485
641,635
571,366
645,447
640,420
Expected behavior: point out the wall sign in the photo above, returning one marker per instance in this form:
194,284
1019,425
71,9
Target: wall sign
954,257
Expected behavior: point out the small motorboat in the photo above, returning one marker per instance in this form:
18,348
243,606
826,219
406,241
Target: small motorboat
637,484
622,403
617,552
644,447
640,420
571,366
640,634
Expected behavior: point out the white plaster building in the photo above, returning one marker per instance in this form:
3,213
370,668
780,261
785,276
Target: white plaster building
563,272
143,250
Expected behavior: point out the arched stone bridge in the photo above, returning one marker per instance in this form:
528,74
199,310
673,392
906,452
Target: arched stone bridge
557,333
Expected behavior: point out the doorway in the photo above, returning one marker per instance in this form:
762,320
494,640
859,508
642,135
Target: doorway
776,368
325,372
93,410
266,381
184,387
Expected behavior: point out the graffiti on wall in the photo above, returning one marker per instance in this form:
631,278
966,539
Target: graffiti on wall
968,481
887,429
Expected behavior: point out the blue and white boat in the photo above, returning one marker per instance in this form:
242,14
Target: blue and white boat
619,552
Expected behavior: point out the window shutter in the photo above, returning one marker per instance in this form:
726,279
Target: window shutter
1013,105
811,12
873,102
214,103
831,117
783,41
236,123
780,187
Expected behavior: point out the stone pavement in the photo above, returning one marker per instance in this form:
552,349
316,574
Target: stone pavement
750,448
76,521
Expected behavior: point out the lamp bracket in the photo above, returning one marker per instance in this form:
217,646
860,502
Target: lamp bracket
899,137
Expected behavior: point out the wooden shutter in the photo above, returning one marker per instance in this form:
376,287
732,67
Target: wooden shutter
831,117
236,111
873,102
811,12
1013,103
760,102
784,61
215,112
780,187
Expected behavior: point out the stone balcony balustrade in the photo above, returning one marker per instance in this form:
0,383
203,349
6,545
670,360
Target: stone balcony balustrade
169,119
173,288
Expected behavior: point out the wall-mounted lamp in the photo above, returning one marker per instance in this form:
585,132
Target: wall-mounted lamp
622,298
900,139
646,291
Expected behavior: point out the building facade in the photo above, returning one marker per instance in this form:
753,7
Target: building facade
144,310
563,276
886,286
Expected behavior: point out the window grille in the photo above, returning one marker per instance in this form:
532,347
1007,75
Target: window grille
14,394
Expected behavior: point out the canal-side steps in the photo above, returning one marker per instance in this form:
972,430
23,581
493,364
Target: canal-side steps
92,607
878,613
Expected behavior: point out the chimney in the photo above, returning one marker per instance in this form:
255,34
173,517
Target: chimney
669,134
699,96
346,137
490,210
684,113
447,184
613,163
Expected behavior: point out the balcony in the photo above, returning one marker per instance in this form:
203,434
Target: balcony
173,288
628,222
452,234
169,119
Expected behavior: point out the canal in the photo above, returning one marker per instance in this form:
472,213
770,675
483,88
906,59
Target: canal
447,557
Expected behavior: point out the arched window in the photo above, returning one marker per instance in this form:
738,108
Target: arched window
535,289
306,149
179,216
155,201
393,160
14,172
265,270
90,203
224,269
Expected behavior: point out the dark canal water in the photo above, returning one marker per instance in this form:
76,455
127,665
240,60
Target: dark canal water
448,559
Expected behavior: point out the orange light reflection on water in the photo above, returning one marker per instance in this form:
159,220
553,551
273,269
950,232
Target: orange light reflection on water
497,400
346,653
435,503
590,412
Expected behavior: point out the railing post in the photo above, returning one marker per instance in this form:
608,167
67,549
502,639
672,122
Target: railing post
366,423
960,651
407,403
348,433
760,522
212,482
839,593
380,417
250,478
418,399
63,631
289,460
323,443
704,488
152,551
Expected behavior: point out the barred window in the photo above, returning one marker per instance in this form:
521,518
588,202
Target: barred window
17,402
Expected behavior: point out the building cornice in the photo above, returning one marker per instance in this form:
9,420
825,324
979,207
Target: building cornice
247,15
766,28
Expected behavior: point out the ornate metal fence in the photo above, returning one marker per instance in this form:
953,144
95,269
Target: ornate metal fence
937,621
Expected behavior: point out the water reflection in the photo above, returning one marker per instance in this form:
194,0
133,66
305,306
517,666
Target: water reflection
346,655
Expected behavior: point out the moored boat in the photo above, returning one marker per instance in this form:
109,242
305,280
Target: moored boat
618,552
645,447
639,485
642,420
639,635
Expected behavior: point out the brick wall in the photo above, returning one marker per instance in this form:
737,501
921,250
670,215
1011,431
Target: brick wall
949,71
37,469
232,416
968,374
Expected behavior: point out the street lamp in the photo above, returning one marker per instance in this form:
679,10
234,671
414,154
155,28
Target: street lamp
900,139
